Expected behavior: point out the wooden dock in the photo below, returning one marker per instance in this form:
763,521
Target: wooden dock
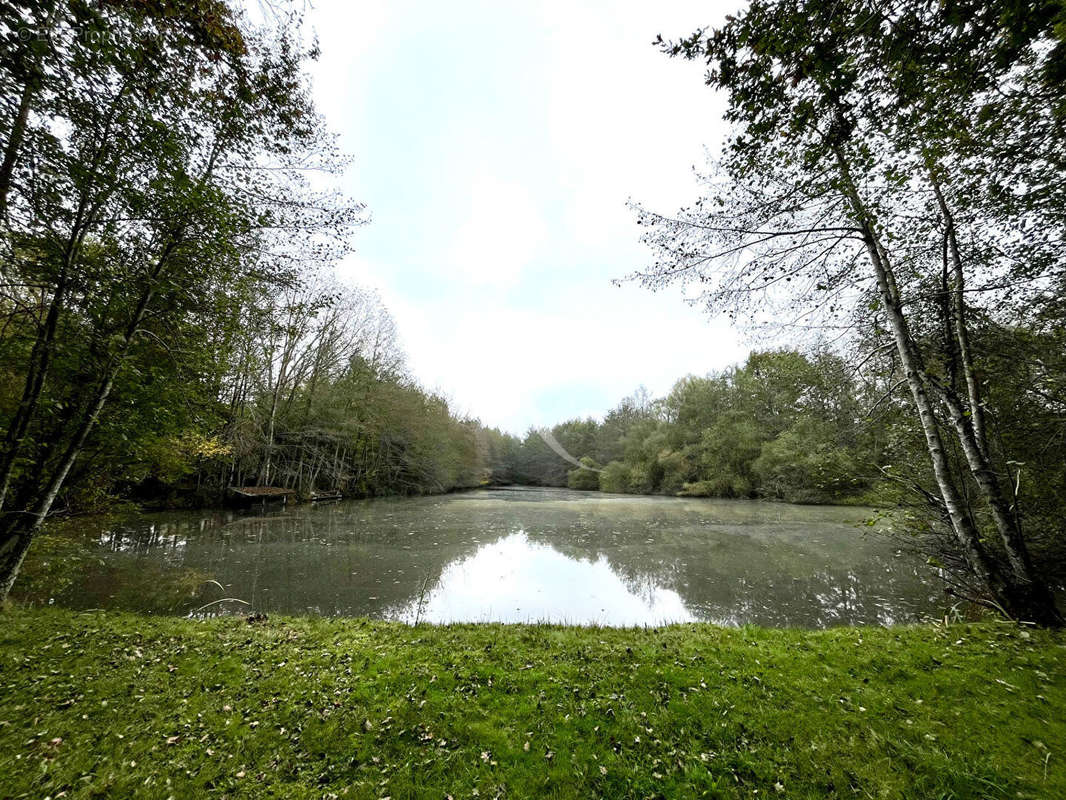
248,495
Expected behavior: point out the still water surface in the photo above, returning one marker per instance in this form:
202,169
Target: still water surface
517,555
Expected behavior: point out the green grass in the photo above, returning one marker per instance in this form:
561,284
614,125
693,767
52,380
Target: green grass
118,705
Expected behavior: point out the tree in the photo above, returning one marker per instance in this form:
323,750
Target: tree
158,169
825,204
803,466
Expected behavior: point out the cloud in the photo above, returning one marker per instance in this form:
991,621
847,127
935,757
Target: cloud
496,145
516,367
501,234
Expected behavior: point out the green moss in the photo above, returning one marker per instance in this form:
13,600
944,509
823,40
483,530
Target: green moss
118,705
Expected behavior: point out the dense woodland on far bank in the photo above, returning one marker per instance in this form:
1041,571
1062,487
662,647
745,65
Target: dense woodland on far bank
785,425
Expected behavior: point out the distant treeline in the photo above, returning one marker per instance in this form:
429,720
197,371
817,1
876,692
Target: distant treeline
815,427
304,388
315,398
784,425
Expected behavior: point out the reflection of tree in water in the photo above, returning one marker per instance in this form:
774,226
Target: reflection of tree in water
729,562
782,576
344,559
117,571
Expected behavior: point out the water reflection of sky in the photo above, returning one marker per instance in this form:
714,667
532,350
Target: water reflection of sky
516,580
511,555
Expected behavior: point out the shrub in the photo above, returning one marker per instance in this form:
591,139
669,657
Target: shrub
803,465
585,478
615,477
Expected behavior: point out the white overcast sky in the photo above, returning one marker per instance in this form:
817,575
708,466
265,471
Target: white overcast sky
496,145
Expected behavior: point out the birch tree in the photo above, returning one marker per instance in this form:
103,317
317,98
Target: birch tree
834,205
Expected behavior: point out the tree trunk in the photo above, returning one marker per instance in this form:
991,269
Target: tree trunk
966,533
12,554
962,336
84,217
26,526
1034,597
21,527
40,358
268,456
14,144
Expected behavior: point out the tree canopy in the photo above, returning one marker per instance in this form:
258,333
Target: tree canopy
894,173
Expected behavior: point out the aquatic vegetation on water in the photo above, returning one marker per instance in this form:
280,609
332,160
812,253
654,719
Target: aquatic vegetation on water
501,555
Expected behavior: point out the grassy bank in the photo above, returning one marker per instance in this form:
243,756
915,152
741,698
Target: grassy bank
117,705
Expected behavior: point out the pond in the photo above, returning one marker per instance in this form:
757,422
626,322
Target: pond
511,554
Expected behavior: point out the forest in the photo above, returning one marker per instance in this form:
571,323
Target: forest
173,326
785,425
